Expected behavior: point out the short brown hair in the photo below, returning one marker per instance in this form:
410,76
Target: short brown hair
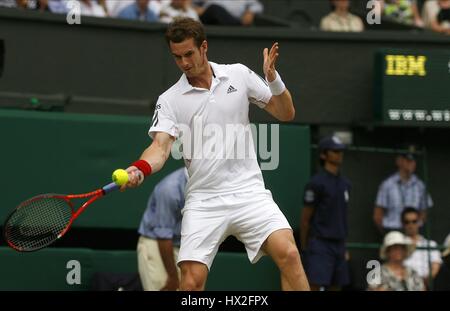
185,28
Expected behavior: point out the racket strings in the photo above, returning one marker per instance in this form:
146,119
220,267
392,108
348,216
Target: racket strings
37,223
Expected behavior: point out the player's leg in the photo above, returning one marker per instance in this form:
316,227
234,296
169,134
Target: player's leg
203,229
262,227
280,245
193,275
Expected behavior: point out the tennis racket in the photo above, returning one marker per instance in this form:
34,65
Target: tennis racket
43,219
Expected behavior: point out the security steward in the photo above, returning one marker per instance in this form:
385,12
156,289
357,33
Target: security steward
324,225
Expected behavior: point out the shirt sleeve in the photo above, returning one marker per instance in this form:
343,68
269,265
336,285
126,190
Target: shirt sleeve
311,195
424,204
435,254
258,91
255,6
382,196
163,120
164,204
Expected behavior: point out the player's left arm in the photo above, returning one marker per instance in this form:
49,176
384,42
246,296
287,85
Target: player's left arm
280,104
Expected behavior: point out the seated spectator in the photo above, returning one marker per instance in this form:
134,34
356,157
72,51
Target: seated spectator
436,15
177,8
419,258
340,19
442,280
395,276
139,11
91,8
114,7
156,5
231,13
22,4
8,4
402,11
42,6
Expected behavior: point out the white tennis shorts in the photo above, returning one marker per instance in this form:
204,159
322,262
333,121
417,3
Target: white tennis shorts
250,217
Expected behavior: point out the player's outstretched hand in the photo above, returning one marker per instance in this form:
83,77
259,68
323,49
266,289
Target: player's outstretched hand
270,59
135,178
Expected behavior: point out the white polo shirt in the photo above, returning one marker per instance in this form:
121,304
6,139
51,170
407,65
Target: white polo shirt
214,129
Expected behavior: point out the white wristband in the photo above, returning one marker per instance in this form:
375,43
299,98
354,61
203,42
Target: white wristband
277,86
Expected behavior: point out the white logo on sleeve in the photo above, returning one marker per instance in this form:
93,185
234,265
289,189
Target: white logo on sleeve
309,196
346,196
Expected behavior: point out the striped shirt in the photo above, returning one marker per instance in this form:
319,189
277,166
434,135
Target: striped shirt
394,195
162,218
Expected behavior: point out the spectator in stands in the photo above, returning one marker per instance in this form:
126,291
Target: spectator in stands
402,11
177,8
139,10
8,4
54,6
231,13
22,4
442,281
398,191
418,260
114,7
436,15
395,276
91,8
323,227
159,240
340,19
42,6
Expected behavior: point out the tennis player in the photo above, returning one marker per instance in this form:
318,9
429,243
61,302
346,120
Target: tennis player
225,194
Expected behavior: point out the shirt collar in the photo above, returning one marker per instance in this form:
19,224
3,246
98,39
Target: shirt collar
410,182
217,73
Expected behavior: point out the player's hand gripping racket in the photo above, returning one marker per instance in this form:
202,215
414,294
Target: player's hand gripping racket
43,219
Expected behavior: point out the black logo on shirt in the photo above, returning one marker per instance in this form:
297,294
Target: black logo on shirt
231,89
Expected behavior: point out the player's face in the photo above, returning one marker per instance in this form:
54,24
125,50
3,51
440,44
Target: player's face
189,58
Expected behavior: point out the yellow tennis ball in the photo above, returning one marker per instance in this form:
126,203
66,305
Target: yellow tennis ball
120,177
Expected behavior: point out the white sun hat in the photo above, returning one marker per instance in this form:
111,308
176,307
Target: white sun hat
396,238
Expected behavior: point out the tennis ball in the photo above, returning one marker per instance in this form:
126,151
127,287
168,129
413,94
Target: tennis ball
120,177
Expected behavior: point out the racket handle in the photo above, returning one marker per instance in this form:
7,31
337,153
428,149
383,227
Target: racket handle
110,188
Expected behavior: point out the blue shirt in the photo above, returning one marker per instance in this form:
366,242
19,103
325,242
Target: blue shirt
132,12
162,218
394,196
328,194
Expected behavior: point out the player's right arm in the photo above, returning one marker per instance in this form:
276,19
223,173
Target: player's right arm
155,155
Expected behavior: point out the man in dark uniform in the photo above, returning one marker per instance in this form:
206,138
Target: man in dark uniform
323,227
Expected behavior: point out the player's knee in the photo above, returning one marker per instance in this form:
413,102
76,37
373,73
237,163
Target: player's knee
290,256
190,280
191,283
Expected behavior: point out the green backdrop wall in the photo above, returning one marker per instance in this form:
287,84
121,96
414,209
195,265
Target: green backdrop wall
56,152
